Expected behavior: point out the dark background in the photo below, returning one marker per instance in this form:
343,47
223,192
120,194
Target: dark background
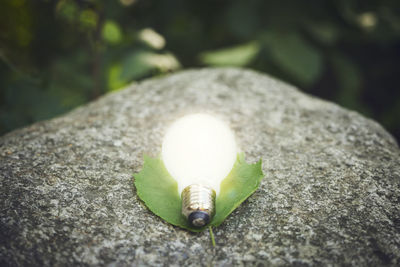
56,55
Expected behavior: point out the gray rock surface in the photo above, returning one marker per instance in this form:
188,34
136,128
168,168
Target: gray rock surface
330,194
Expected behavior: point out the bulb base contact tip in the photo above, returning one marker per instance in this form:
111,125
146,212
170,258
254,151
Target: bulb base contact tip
198,204
199,218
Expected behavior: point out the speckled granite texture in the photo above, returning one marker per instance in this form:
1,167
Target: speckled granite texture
330,194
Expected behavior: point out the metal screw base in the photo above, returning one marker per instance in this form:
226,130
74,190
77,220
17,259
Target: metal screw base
198,204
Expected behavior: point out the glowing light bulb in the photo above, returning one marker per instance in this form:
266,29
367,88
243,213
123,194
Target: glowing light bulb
199,151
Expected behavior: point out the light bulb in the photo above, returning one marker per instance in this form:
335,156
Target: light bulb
199,151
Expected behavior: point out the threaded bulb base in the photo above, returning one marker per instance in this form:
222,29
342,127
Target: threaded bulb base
198,204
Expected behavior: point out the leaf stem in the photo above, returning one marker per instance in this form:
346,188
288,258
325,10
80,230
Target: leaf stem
212,236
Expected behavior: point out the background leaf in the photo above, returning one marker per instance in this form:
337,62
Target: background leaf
70,52
159,191
240,55
112,32
295,55
135,65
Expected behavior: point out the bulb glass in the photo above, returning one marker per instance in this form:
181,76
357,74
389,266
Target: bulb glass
199,149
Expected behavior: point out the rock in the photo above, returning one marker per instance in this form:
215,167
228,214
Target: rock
330,194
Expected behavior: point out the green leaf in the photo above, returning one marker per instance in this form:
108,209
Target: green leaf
159,191
135,66
114,82
88,19
111,32
326,33
295,56
243,181
349,78
141,63
240,55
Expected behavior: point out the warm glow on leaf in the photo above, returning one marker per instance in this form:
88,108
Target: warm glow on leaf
159,191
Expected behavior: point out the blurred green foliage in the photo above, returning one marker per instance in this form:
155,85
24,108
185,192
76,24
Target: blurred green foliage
56,55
